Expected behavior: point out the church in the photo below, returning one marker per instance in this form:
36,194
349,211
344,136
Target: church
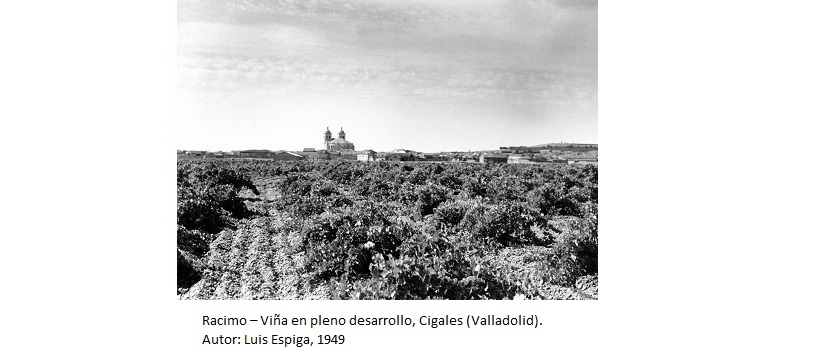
337,145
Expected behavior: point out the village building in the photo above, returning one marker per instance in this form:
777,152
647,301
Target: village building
518,159
398,155
338,144
255,153
366,156
431,157
284,156
492,158
196,154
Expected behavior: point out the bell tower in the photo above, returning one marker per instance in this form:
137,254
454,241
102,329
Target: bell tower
327,137
342,134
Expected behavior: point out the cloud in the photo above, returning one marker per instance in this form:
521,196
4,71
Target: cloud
507,57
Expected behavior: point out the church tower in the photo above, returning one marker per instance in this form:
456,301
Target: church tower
327,137
339,144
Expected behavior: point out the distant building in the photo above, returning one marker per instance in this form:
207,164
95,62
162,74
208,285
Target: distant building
255,153
492,158
338,144
431,157
579,158
366,156
538,158
214,155
401,155
323,155
285,156
309,149
196,154
518,159
396,157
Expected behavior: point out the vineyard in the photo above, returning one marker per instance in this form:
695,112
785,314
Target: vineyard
253,229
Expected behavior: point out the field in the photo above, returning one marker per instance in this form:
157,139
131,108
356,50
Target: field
253,229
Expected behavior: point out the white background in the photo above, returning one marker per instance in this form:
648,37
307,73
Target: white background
706,186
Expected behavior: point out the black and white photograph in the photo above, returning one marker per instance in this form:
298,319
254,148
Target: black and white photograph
407,174
387,150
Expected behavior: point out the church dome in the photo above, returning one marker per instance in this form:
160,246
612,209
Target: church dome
338,141
338,144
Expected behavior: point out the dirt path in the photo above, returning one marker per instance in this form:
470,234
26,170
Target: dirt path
259,259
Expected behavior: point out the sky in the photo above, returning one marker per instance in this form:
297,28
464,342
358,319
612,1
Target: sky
416,74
